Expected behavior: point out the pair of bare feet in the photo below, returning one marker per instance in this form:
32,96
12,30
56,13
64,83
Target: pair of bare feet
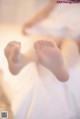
48,55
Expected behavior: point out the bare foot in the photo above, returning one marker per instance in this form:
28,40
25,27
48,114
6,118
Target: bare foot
50,56
14,57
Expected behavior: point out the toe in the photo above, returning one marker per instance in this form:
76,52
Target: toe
51,43
37,45
13,43
42,43
46,43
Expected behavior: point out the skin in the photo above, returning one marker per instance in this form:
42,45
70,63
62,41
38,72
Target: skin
49,55
40,15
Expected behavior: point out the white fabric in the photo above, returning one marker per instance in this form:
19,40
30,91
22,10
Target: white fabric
48,98
63,20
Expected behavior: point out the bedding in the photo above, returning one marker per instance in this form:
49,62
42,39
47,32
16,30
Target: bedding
36,92
63,20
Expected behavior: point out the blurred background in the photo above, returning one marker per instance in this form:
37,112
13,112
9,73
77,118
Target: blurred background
19,11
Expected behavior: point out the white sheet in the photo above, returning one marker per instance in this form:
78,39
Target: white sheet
63,20
45,97
40,95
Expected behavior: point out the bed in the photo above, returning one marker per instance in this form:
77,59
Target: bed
37,94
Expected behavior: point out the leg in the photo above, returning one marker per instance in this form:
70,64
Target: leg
16,60
50,56
39,16
70,51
